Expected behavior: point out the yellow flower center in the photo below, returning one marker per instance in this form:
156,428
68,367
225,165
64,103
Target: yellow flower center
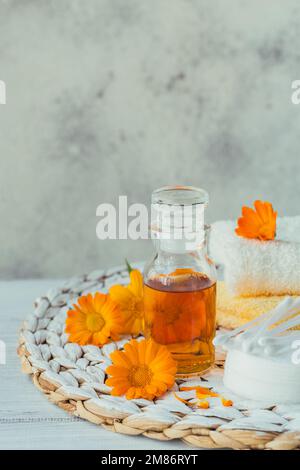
139,376
95,322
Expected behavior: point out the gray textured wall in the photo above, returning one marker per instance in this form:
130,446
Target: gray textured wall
109,97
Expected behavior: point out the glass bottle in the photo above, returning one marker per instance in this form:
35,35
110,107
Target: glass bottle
180,281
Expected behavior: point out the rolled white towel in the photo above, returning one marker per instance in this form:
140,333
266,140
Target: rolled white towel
253,267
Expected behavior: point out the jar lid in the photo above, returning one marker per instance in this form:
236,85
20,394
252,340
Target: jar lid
180,196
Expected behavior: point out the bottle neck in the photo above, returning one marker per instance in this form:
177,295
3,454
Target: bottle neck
178,229
180,247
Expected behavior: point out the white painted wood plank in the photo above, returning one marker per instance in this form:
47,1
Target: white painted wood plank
27,419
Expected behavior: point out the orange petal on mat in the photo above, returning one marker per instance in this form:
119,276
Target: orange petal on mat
259,222
226,402
203,404
202,394
206,395
182,400
200,391
196,387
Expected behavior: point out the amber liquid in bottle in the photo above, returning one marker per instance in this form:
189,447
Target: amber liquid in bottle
180,312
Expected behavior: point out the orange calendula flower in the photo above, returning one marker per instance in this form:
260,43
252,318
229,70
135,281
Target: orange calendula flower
143,370
94,320
259,223
130,302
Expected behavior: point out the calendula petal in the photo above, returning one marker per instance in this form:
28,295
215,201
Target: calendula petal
226,402
121,295
121,359
136,283
203,404
100,300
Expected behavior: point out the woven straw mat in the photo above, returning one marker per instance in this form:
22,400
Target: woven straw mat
73,378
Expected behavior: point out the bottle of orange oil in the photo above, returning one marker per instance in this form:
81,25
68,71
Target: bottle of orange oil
180,281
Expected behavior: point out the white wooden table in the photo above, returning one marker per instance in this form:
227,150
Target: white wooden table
27,419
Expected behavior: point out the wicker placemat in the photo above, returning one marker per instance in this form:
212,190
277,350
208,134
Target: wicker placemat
73,378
